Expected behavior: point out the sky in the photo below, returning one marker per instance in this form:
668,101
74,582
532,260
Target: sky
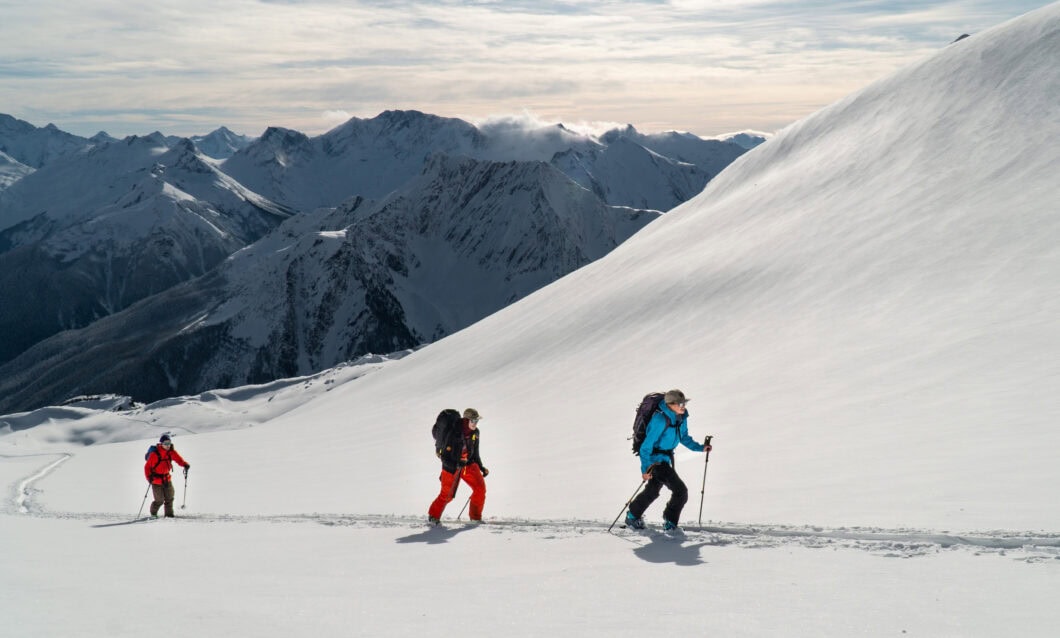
706,66
866,326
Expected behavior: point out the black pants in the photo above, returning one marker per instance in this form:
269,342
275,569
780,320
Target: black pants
662,474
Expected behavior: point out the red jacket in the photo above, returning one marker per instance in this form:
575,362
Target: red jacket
160,463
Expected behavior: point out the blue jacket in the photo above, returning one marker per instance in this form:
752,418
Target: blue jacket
659,438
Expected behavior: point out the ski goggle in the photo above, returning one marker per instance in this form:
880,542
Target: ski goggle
166,444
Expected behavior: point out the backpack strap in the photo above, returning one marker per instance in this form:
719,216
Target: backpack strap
669,424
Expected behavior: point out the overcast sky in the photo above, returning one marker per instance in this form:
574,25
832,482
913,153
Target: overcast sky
706,66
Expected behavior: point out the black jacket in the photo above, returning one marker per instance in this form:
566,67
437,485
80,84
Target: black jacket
453,446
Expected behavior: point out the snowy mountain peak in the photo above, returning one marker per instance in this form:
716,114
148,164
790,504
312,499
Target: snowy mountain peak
280,137
615,134
34,146
184,154
419,119
13,126
221,143
102,138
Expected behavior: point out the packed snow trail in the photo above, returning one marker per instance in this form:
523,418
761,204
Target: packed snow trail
22,490
904,543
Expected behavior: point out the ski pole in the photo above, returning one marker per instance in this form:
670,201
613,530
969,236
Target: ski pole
627,503
703,487
185,503
463,508
141,511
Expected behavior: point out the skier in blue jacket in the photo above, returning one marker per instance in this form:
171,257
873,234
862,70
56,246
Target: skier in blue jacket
667,427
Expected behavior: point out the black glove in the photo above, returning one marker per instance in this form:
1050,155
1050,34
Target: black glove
461,465
485,472
186,468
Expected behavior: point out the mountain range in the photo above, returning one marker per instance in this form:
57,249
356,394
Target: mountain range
372,157
92,233
461,241
92,226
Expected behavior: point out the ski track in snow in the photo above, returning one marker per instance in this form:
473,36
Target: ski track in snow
893,543
21,500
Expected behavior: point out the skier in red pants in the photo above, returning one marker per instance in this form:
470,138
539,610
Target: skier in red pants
457,446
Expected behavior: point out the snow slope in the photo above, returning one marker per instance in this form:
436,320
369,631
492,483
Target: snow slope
863,310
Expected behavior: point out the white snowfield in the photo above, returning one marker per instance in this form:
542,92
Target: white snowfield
864,311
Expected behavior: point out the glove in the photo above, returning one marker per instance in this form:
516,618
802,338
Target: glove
706,448
186,468
461,464
485,472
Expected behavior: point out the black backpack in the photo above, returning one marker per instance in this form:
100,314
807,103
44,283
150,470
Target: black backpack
447,420
649,405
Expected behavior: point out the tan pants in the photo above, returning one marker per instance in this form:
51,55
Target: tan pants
163,493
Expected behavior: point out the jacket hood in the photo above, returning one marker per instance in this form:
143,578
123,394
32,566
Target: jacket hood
674,418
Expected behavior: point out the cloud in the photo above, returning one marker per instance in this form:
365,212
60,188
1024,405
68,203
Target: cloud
697,65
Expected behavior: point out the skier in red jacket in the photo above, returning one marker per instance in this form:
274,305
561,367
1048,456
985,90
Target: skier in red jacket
160,459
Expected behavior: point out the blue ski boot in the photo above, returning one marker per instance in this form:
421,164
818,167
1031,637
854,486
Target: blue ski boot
633,522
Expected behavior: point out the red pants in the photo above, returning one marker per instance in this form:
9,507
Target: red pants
472,475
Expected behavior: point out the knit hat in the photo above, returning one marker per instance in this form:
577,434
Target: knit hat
165,438
472,414
675,396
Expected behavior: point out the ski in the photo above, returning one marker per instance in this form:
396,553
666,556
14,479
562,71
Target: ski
142,519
